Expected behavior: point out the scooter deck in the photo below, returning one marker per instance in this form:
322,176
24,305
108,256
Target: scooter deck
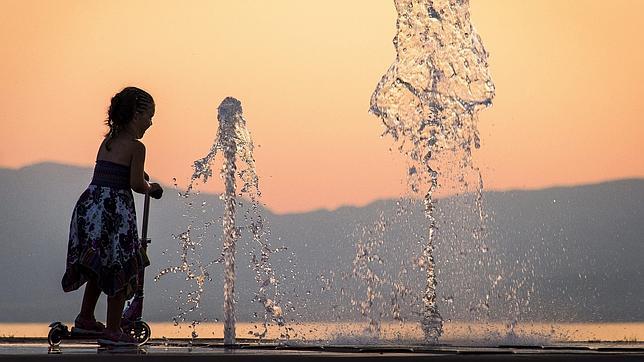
59,333
83,334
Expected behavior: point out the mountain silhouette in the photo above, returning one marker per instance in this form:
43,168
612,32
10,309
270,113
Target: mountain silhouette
556,254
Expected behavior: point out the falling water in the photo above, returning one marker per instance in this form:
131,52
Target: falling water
234,141
364,265
428,101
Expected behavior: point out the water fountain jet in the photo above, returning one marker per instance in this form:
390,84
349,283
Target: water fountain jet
234,142
428,101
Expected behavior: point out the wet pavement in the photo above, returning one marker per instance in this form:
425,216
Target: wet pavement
23,349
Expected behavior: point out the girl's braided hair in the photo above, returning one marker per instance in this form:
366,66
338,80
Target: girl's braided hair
123,107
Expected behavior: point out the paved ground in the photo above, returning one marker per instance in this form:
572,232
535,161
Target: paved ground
17,349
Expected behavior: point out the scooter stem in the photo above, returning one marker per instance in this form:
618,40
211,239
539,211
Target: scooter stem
146,214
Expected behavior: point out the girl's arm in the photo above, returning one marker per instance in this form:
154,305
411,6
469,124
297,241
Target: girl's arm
137,173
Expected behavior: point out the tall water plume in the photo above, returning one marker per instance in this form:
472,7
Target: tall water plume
428,102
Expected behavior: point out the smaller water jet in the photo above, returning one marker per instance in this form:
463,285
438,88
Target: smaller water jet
234,141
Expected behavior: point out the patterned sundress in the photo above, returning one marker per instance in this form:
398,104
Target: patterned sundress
103,239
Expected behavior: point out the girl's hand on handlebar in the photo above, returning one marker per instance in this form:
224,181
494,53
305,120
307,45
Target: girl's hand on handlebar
155,191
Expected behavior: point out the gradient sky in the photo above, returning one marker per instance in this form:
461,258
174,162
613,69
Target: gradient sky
569,77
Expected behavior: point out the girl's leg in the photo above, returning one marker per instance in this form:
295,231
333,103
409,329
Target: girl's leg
115,306
113,333
90,298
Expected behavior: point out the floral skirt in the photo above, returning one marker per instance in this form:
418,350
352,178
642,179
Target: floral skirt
103,242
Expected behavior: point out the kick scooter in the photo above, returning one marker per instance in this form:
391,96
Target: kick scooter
131,321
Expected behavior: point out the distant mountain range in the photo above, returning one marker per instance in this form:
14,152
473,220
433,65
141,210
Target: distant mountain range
557,254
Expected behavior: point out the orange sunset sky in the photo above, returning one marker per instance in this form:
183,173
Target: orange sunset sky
568,110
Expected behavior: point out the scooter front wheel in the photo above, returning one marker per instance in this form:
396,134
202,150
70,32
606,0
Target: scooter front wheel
139,330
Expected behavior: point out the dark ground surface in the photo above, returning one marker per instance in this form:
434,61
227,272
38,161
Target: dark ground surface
21,349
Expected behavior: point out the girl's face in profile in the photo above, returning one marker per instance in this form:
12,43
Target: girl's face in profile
143,121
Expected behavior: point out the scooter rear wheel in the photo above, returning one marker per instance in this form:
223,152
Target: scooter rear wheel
56,335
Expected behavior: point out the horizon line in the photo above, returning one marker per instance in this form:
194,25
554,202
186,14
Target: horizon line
324,209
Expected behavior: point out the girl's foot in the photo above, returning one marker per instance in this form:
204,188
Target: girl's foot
88,326
117,339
